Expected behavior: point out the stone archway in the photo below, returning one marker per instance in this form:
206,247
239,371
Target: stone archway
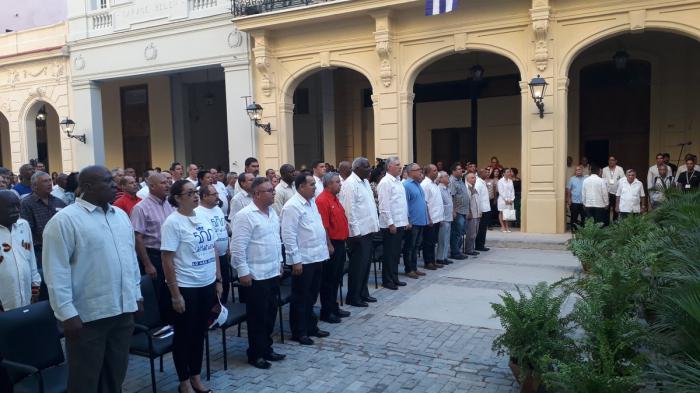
666,117
43,135
5,146
327,114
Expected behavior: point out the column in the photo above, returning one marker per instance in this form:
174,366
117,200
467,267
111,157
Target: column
540,150
87,114
328,115
241,130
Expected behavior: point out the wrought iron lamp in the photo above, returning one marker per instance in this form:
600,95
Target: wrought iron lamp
67,126
255,113
538,86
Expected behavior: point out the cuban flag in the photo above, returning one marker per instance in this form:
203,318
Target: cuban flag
437,7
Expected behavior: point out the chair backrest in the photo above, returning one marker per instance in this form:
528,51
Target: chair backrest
29,335
151,312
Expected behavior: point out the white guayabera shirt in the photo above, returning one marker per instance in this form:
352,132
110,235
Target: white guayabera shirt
18,272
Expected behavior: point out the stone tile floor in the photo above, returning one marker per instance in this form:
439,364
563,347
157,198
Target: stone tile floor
374,351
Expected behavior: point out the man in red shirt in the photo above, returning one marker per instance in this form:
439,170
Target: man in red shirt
336,224
128,199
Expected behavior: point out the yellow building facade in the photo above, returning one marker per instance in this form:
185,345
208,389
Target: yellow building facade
622,80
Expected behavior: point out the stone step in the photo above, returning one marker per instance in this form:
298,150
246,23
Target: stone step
517,239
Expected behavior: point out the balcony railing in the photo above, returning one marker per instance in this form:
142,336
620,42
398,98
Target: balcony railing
253,7
101,20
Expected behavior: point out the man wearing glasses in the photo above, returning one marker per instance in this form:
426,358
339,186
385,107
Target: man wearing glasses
256,250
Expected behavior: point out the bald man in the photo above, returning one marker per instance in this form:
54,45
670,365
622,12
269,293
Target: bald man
94,283
18,271
147,217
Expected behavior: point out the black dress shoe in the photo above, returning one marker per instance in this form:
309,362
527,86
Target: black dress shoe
391,286
260,363
483,249
473,253
447,262
303,340
370,299
399,283
274,357
458,256
320,333
357,304
331,318
342,313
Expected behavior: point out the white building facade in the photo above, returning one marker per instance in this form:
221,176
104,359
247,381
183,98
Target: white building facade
157,81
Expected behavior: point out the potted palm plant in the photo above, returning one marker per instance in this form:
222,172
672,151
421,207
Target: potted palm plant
534,332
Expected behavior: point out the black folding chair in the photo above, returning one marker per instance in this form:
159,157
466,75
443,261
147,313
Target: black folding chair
236,317
30,345
284,297
144,343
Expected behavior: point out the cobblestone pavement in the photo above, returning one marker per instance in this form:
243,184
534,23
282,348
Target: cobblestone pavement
372,351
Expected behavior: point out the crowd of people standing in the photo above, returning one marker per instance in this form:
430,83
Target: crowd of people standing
195,232
610,193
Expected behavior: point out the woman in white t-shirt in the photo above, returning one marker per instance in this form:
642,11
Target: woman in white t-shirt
192,271
506,197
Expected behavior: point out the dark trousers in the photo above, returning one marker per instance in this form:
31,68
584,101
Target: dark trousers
358,272
189,328
98,357
480,240
456,233
331,276
411,240
578,215
226,272
37,253
392,254
261,311
161,288
611,208
599,214
305,288
430,233
627,214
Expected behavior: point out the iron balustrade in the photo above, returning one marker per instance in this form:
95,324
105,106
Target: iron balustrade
253,7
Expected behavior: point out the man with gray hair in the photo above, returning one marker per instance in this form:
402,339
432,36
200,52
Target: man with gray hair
38,208
393,220
357,199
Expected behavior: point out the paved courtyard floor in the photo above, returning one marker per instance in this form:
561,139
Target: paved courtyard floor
433,335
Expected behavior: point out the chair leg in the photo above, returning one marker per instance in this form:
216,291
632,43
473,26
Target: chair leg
161,363
206,350
376,283
340,291
153,375
223,340
281,325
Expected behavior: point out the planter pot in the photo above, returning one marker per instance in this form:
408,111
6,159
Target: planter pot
531,384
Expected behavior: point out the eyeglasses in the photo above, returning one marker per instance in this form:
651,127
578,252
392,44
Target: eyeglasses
189,193
272,190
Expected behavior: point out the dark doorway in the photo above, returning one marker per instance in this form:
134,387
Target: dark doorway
615,113
597,152
451,145
136,127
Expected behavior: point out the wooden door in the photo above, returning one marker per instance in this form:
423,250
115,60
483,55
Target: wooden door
136,128
450,145
615,108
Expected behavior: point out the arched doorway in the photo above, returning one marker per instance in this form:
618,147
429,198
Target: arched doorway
5,147
633,96
467,107
333,118
44,136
